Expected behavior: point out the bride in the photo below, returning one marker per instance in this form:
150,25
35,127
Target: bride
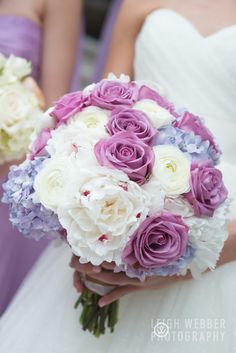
186,47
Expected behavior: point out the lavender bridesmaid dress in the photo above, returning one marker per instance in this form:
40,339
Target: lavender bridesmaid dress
21,37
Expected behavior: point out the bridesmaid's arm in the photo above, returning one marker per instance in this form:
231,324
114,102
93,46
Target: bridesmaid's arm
122,49
61,24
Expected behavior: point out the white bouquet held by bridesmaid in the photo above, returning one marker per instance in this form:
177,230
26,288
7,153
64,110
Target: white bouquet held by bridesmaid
123,177
20,107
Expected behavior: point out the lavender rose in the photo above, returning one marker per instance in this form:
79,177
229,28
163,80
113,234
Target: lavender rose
159,241
207,189
110,94
128,119
40,143
192,123
148,93
124,151
69,105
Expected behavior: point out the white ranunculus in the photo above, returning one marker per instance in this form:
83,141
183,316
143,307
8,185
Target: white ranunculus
18,67
172,170
159,116
91,118
156,194
55,183
107,208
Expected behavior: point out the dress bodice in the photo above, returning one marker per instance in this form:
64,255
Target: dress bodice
22,37
196,72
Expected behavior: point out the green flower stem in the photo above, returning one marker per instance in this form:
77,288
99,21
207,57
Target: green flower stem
93,318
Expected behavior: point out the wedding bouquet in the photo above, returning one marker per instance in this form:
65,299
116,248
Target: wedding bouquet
123,177
19,108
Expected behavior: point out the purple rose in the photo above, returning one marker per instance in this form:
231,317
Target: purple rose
40,143
110,94
159,241
207,189
128,119
69,105
124,151
192,123
148,93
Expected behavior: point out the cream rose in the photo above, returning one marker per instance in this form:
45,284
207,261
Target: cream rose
56,182
16,105
172,170
159,116
106,209
18,67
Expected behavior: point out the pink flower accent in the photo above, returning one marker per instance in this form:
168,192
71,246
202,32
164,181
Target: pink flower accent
103,237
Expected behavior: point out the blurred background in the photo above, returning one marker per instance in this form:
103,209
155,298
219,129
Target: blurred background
99,15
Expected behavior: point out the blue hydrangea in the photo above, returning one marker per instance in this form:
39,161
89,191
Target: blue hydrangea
31,219
188,143
170,270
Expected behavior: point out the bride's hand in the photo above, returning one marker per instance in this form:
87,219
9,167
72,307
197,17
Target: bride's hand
124,285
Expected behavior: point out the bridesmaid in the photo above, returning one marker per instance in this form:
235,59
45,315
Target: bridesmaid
46,33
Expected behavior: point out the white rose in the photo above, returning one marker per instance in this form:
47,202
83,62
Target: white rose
18,67
55,182
106,210
16,105
159,116
172,170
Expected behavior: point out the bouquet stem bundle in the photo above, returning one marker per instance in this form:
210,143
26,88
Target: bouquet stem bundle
94,318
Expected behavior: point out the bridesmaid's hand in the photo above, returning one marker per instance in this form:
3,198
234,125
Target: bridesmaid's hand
124,284
31,85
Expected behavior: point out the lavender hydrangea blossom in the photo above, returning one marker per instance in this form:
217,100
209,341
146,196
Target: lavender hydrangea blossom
31,219
187,142
173,269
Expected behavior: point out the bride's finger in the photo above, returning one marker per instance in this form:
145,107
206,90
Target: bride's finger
117,279
108,265
85,268
117,294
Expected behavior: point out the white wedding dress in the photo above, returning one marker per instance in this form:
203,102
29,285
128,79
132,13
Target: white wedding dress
200,74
